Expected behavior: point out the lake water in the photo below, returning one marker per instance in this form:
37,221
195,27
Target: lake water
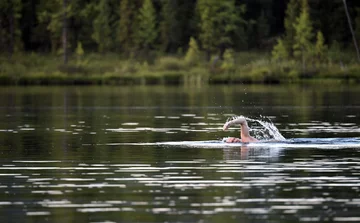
154,154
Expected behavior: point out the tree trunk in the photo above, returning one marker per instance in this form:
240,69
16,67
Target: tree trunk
351,30
64,32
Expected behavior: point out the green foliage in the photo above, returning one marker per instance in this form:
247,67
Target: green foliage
101,25
219,22
125,31
206,24
192,56
335,54
109,69
280,52
226,22
320,47
163,27
303,27
170,64
292,13
51,16
147,29
228,63
79,50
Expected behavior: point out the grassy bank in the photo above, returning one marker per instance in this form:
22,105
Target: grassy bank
249,67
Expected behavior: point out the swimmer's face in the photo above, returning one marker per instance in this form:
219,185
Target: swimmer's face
232,140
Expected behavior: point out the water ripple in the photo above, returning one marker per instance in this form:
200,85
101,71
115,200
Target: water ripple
258,188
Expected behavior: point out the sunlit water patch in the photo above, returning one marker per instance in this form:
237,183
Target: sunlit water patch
323,127
248,189
318,143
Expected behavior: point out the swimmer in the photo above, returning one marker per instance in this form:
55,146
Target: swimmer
244,133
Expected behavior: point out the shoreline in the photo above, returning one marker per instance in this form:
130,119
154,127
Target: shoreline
111,69
156,81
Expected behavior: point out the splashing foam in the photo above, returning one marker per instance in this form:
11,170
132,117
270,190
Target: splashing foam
265,130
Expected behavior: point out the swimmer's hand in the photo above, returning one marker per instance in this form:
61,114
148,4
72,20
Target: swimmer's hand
239,120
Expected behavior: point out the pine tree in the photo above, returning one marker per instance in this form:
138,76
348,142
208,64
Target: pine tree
320,47
125,31
147,32
302,46
219,21
193,53
227,21
280,52
79,50
207,34
292,13
101,24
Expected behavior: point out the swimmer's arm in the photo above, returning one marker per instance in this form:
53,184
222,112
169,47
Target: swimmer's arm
240,120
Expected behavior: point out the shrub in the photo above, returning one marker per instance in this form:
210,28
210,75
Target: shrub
192,56
228,63
279,52
170,64
129,67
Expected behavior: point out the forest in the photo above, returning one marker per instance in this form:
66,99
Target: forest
178,41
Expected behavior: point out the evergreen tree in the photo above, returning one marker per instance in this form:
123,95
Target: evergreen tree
207,31
79,51
219,21
292,13
227,22
82,23
102,31
280,52
320,47
130,24
193,53
147,32
228,63
303,27
125,31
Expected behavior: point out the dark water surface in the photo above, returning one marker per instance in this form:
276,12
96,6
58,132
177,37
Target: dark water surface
153,154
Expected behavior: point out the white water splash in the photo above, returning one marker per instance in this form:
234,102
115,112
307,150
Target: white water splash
266,131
